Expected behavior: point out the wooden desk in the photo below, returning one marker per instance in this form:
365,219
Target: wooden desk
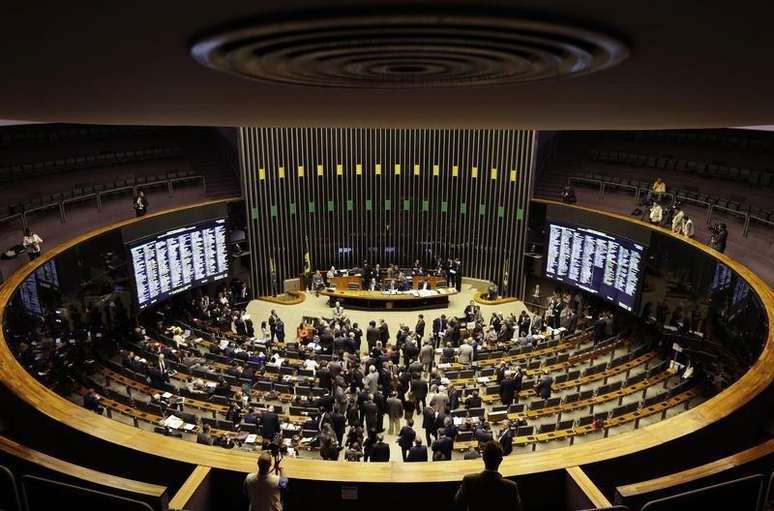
371,300
342,283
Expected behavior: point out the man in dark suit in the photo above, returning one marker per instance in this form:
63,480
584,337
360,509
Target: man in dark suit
418,452
543,388
488,490
507,389
428,423
419,388
444,445
339,423
506,439
270,424
372,335
384,332
572,324
380,452
420,328
439,325
524,322
406,438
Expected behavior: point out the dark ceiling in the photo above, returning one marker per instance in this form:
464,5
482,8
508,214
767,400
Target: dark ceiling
691,64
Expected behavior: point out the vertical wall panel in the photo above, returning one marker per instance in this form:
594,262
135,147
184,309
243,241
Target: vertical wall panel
367,218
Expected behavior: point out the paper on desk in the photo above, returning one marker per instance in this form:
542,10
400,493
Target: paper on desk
173,422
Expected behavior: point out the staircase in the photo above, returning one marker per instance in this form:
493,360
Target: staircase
205,158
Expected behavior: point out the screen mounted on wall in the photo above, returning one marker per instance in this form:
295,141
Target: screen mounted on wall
177,260
599,263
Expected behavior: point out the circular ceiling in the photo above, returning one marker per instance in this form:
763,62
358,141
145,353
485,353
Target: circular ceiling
407,51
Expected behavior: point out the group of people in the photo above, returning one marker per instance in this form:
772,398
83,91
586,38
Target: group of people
376,278
401,381
264,487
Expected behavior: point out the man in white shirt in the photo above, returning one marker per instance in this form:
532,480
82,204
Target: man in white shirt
263,488
688,229
656,213
31,242
310,364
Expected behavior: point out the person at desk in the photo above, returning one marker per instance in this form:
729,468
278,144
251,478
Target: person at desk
270,423
456,273
416,268
204,437
91,402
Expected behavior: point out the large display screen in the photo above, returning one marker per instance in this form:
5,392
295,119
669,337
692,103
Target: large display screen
177,260
597,262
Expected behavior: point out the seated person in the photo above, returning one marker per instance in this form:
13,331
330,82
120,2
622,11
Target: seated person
658,189
317,281
492,292
656,214
568,195
91,402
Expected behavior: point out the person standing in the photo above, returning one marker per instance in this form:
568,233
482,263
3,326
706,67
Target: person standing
420,328
31,242
394,413
406,438
140,204
264,489
488,489
543,388
426,356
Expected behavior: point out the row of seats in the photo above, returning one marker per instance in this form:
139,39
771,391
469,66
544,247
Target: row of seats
18,171
733,205
88,192
730,140
754,177
38,133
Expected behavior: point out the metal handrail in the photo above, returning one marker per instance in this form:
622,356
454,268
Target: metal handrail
746,216
98,195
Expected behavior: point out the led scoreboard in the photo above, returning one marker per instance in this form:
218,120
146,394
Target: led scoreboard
597,262
177,260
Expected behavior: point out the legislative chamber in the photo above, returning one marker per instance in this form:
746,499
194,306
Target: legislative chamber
454,257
